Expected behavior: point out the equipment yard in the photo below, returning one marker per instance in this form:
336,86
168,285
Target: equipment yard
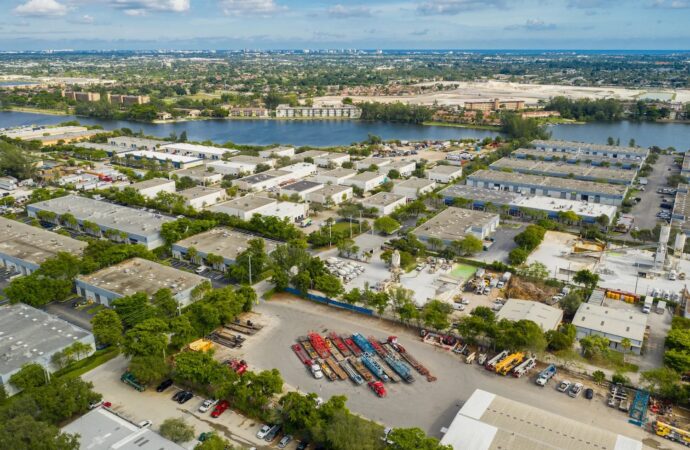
435,403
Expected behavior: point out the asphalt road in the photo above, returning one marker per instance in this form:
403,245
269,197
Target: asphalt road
74,316
645,211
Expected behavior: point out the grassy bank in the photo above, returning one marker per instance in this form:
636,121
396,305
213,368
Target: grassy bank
463,125
53,112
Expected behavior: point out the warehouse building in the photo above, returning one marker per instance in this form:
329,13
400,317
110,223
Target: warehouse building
366,181
151,188
685,167
453,224
263,181
245,208
615,324
565,170
29,335
110,150
681,208
200,175
576,158
223,242
609,194
300,188
384,202
278,152
113,221
547,317
331,159
404,168
201,197
240,165
24,248
310,154
331,194
611,151
129,143
196,151
300,170
336,176
488,421
444,173
137,275
364,164
414,187
176,161
104,429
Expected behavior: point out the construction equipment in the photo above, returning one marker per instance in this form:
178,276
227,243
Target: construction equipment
325,368
340,345
363,343
672,433
400,368
302,354
308,347
524,367
238,365
509,363
230,341
351,372
129,378
392,375
334,350
469,359
393,341
359,367
201,345
319,345
491,364
374,367
638,410
340,373
352,346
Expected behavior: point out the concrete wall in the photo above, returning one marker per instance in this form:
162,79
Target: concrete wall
17,265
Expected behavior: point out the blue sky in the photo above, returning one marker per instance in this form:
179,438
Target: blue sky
385,24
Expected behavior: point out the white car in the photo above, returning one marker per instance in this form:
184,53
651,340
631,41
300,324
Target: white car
263,431
200,269
316,371
576,390
207,404
563,386
145,424
465,301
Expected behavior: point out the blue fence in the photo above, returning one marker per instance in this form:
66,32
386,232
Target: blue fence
331,302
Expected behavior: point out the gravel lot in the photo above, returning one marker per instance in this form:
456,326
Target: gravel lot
435,404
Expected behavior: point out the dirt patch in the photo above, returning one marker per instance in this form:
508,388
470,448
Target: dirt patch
527,290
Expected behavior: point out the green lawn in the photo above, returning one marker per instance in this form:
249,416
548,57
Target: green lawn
84,365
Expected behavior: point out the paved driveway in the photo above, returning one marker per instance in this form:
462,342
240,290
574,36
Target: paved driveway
645,211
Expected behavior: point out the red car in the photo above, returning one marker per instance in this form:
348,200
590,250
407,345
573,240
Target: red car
239,366
220,408
378,388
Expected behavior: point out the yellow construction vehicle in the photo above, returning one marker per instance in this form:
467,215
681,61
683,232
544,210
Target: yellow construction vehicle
672,433
508,364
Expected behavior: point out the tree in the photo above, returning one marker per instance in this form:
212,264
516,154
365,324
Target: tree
435,314
200,369
148,368
626,344
329,285
571,302
147,338
107,327
594,345
165,302
561,339
467,246
24,432
177,430
413,439
598,376
386,225
663,382
214,442
435,243
133,309
517,256
299,413
586,278
29,376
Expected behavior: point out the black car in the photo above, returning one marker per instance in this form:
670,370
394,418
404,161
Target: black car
164,385
185,398
178,395
302,445
589,393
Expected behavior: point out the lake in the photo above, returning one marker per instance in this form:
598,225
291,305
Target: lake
342,132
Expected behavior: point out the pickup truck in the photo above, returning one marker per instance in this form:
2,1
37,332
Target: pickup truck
128,378
546,375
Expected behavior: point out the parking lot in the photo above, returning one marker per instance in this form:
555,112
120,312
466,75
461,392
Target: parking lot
503,243
217,278
435,404
645,211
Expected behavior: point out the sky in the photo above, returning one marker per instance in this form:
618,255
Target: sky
344,24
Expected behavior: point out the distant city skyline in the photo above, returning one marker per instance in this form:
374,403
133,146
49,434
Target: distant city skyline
324,24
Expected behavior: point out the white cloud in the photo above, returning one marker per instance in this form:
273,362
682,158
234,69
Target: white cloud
41,8
457,6
589,4
344,12
532,25
672,4
250,7
141,7
83,20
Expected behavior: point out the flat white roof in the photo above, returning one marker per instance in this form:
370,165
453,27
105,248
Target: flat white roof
186,147
547,317
626,323
581,208
160,156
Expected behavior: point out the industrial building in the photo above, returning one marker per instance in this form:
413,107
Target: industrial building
336,176
453,224
176,161
66,138
488,421
35,132
278,152
404,168
24,248
565,170
685,167
615,324
612,151
300,170
414,187
331,194
136,143
577,158
318,112
104,429
200,175
681,208
115,222
30,335
110,150
151,188
223,242
331,159
300,188
263,181
200,197
609,194
364,164
444,173
310,154
547,317
245,208
137,275
494,105
519,204
384,202
196,151
366,181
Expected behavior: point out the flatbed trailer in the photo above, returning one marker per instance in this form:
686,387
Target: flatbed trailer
363,343
400,368
334,350
340,345
249,324
217,338
352,346
380,349
241,329
228,332
325,368
359,367
411,360
310,350
302,354
336,369
351,372
319,344
386,369
374,367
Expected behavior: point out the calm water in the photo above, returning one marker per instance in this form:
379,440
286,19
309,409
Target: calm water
342,132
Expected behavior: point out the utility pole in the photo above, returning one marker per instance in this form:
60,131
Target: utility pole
250,269
350,227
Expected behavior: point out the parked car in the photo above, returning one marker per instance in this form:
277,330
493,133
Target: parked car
145,424
220,408
207,404
272,433
164,385
589,393
103,403
263,431
302,445
563,386
378,388
576,390
184,398
176,397
285,441
200,269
